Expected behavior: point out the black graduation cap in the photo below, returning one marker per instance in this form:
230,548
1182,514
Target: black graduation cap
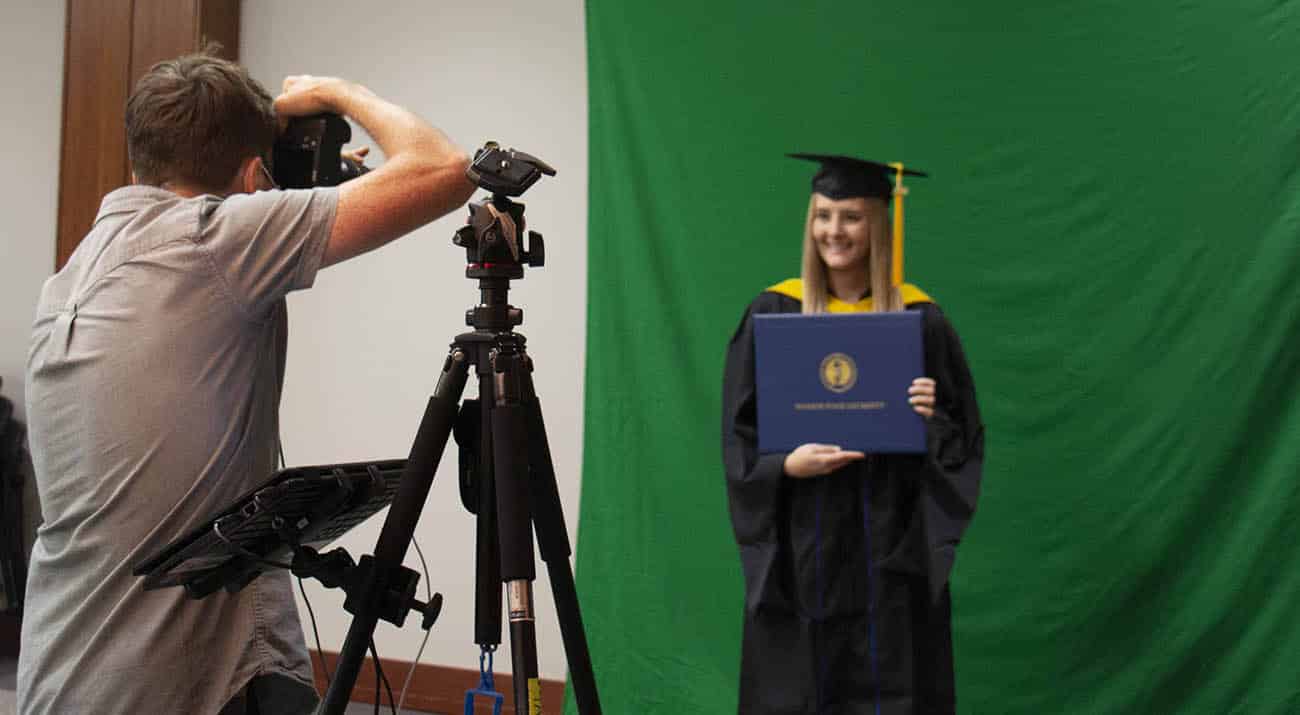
842,177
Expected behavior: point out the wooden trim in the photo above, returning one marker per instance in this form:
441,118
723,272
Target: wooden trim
219,22
161,30
97,50
434,688
63,200
108,45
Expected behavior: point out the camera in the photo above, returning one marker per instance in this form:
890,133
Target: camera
307,153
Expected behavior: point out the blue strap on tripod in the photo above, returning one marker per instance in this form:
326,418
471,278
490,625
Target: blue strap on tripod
485,686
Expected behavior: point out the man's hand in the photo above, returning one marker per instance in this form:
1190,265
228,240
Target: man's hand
922,396
814,460
304,95
357,155
422,178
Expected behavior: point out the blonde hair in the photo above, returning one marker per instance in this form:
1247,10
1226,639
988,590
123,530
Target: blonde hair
880,253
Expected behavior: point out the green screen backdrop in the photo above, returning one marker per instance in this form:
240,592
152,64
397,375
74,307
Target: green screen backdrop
1112,225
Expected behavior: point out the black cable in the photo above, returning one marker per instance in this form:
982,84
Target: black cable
379,671
320,652
216,528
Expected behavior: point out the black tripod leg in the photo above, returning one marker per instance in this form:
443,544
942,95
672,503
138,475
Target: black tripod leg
487,563
553,542
509,450
399,527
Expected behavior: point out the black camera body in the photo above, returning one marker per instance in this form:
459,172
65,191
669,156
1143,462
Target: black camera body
307,153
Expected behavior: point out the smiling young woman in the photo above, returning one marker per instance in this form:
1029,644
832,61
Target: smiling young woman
847,252
846,556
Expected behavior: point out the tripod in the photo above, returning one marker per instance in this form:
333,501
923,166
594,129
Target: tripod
506,477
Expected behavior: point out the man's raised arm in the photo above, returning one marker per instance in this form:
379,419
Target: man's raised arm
422,179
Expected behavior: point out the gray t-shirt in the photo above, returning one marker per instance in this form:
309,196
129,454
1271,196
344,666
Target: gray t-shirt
154,379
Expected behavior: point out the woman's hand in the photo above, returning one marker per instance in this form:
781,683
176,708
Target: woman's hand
814,460
922,396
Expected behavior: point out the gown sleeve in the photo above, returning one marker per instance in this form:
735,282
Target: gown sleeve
754,481
950,473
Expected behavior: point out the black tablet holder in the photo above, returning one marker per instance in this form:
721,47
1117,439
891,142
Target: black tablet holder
507,478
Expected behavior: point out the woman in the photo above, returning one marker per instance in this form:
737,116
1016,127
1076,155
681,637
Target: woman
846,555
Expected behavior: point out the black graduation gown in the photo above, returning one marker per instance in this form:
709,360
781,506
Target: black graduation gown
838,616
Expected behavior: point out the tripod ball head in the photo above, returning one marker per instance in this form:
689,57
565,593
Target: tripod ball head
493,238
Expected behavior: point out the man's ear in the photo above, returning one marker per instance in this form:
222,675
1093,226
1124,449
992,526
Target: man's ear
246,178
250,175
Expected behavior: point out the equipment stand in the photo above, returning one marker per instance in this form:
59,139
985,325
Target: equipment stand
507,478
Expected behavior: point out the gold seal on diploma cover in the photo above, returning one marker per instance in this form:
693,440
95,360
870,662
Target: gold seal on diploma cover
838,372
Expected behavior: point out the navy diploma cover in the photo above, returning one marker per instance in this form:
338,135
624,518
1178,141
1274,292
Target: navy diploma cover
838,379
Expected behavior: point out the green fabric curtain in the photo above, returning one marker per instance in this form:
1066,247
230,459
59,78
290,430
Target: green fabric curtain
1113,225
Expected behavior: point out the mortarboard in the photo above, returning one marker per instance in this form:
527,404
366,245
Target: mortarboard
843,177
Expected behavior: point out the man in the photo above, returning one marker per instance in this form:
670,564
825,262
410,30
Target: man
154,380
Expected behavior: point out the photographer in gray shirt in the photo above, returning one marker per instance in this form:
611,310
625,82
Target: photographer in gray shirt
154,379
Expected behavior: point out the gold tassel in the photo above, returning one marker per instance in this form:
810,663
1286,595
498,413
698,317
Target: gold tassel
896,274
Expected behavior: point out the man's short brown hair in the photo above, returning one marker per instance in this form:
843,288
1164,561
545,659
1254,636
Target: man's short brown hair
194,119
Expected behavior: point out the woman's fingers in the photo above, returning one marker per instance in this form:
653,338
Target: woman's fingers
921,386
839,458
921,396
815,460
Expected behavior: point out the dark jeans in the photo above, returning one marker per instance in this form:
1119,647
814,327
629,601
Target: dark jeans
271,695
245,703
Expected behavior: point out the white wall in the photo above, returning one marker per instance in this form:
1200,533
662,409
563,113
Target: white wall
31,80
367,342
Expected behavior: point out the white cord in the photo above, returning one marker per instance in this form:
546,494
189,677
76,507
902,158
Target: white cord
428,591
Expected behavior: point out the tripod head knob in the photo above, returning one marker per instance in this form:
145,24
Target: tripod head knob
536,254
429,611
